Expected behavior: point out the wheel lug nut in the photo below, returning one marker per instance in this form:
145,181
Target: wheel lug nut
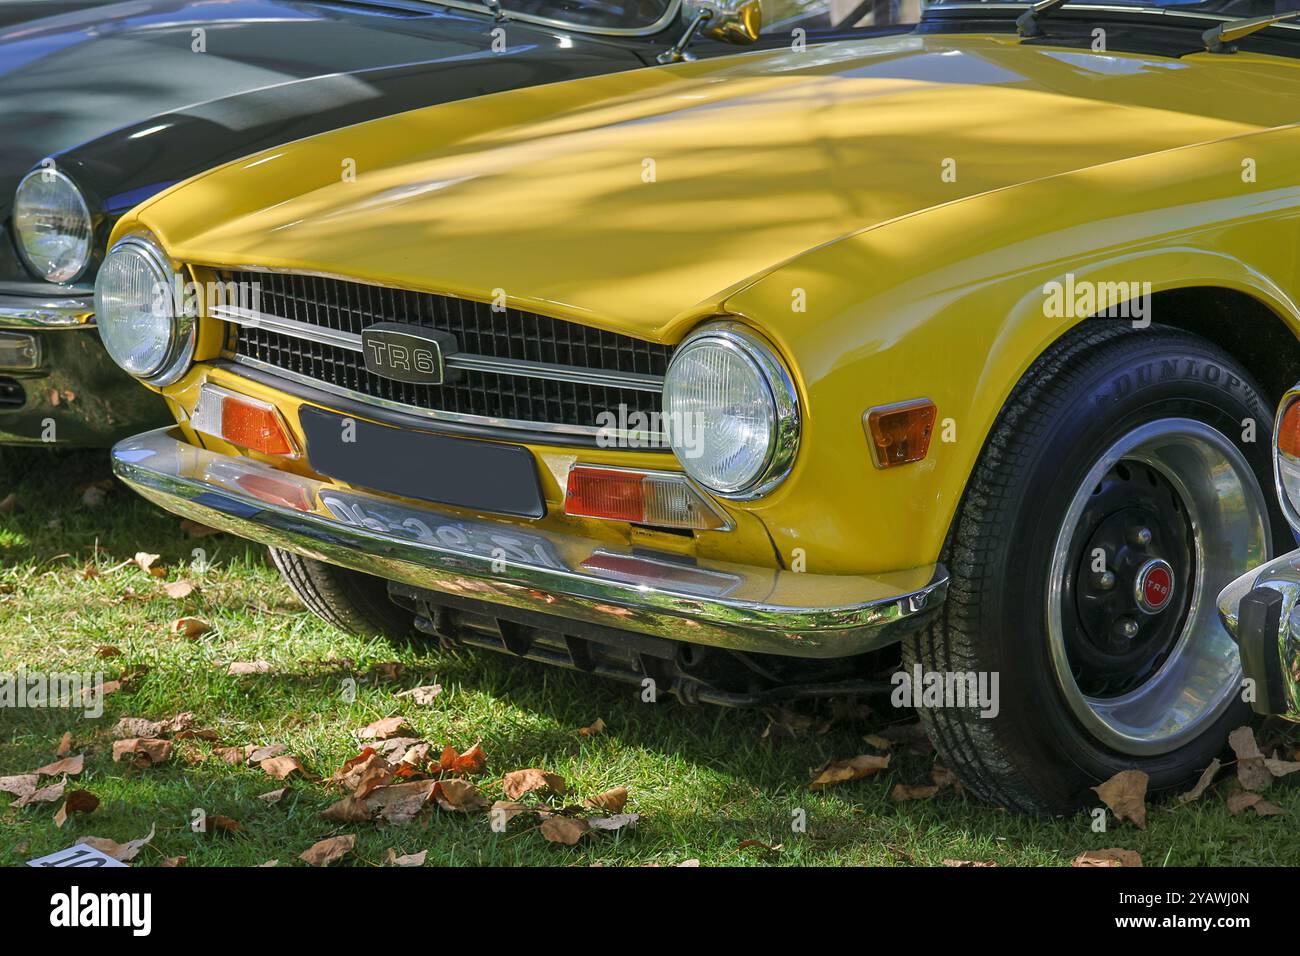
1104,580
1126,627
1139,537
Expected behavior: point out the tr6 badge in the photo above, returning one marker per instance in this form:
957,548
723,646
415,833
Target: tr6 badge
407,353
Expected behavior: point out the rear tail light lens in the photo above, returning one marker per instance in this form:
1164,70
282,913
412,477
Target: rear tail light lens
1286,457
900,433
242,421
658,499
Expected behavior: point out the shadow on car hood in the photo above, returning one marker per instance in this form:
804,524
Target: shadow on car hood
630,200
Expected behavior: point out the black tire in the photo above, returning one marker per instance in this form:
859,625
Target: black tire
1099,383
350,600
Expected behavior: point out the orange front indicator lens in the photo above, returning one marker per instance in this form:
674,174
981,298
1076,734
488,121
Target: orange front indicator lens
900,433
242,421
657,499
1286,457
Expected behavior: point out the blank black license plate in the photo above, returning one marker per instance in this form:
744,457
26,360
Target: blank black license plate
462,472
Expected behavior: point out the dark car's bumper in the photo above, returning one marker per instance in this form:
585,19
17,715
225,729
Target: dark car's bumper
726,605
1261,609
58,385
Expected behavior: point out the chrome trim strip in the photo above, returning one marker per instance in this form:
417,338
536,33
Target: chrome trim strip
769,610
38,312
546,428
478,363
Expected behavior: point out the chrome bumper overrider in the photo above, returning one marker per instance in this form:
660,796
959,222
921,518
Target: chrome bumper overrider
1261,609
44,312
726,605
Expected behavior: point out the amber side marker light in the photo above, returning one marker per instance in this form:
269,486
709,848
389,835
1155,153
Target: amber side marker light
899,433
1287,460
242,421
658,499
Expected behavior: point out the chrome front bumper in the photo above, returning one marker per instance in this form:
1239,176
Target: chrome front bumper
46,312
725,605
1261,610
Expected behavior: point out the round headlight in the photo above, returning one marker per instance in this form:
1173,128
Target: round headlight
52,224
135,310
732,412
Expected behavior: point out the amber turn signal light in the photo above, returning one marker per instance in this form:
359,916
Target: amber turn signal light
242,421
900,433
1288,431
654,498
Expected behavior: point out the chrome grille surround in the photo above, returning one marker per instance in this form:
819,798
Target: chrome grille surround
516,369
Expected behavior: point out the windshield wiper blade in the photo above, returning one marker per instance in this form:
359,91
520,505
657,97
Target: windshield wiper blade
1027,22
1217,39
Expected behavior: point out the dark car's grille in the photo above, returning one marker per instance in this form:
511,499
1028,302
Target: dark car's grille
558,348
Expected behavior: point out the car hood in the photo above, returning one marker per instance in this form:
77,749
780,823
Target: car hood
636,201
73,78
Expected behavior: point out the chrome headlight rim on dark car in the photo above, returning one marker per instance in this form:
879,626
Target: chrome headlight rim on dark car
175,352
57,268
773,385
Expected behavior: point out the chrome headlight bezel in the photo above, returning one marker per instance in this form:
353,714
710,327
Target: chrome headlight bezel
784,434
64,276
1286,467
179,353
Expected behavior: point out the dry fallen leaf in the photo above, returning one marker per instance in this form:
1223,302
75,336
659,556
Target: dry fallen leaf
383,729
1125,794
275,796
597,726
173,861
877,741
144,751
611,801
329,850
903,792
65,745
281,767
1281,768
854,768
1239,800
518,782
1251,771
1111,856
122,852
189,628
459,795
219,824
179,589
400,802
107,651
414,859
566,830
471,761
145,562
79,801
20,785
45,795
348,810
760,845
969,863
616,822
241,668
422,695
68,765
389,670
254,754
1207,778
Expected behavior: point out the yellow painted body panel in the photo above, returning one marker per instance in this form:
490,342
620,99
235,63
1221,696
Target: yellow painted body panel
913,194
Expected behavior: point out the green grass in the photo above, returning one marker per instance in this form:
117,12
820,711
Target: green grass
703,779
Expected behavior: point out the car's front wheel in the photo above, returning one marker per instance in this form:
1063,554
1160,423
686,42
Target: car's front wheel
1121,488
351,601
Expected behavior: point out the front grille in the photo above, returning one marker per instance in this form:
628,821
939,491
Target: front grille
556,347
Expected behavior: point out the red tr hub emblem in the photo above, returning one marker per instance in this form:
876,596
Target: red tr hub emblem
1154,586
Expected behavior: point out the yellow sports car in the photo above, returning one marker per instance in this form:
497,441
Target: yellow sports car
730,378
